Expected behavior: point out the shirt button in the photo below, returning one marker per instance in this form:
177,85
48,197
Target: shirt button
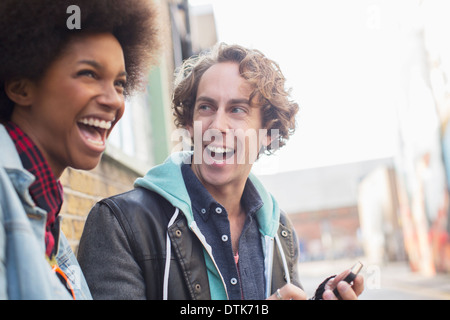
218,210
203,210
224,238
233,281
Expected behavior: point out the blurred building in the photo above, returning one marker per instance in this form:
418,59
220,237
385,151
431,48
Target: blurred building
142,138
323,206
380,220
422,163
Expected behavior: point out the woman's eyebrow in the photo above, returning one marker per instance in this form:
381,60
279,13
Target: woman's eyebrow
92,63
99,66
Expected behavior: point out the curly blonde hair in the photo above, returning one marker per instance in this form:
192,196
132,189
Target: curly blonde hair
263,74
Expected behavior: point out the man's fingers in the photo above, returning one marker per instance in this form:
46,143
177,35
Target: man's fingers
346,291
288,292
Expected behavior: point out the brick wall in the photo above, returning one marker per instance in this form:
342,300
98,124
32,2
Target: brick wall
328,233
82,189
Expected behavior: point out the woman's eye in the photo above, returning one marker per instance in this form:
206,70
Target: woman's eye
121,83
87,73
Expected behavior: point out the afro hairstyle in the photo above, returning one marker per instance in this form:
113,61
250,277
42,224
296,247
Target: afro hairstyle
34,32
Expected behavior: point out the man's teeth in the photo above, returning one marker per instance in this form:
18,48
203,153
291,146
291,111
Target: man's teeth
96,123
219,149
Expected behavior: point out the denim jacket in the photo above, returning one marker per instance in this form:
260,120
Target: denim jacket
25,272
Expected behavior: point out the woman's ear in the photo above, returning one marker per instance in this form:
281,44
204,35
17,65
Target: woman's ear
19,91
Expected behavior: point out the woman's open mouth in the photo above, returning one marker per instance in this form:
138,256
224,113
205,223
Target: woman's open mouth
94,131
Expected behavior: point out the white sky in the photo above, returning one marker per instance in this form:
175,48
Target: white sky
340,59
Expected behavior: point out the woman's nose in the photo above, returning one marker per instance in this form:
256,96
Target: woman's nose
111,97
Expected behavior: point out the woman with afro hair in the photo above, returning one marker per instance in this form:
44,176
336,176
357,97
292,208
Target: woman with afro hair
62,90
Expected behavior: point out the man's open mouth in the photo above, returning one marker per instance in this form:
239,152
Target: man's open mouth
220,153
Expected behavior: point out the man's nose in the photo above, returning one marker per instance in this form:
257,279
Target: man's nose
219,121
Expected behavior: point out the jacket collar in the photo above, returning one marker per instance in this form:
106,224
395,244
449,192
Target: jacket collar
10,158
10,161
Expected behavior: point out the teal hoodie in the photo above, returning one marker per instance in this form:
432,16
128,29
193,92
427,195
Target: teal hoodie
167,180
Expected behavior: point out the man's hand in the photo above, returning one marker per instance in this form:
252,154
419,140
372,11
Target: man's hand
347,291
288,292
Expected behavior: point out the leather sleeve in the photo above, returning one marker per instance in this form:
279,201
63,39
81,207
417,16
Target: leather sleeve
106,257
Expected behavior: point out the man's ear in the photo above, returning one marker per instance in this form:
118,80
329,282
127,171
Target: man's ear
19,91
267,139
190,129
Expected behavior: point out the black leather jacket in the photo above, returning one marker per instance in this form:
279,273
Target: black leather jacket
123,251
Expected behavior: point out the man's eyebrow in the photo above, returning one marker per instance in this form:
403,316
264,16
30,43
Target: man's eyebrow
205,99
98,66
232,101
239,101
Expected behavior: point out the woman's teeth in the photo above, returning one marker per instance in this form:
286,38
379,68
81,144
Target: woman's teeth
102,124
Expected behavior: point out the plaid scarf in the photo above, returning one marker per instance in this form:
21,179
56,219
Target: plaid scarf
46,192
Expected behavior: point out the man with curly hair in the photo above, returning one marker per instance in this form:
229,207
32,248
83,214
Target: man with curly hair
201,226
61,93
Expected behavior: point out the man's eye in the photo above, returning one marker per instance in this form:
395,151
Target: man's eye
237,110
203,107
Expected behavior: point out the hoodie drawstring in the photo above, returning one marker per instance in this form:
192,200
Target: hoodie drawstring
283,258
168,256
268,262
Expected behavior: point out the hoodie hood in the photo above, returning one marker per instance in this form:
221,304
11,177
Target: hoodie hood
167,180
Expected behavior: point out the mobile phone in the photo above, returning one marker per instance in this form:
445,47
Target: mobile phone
350,277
